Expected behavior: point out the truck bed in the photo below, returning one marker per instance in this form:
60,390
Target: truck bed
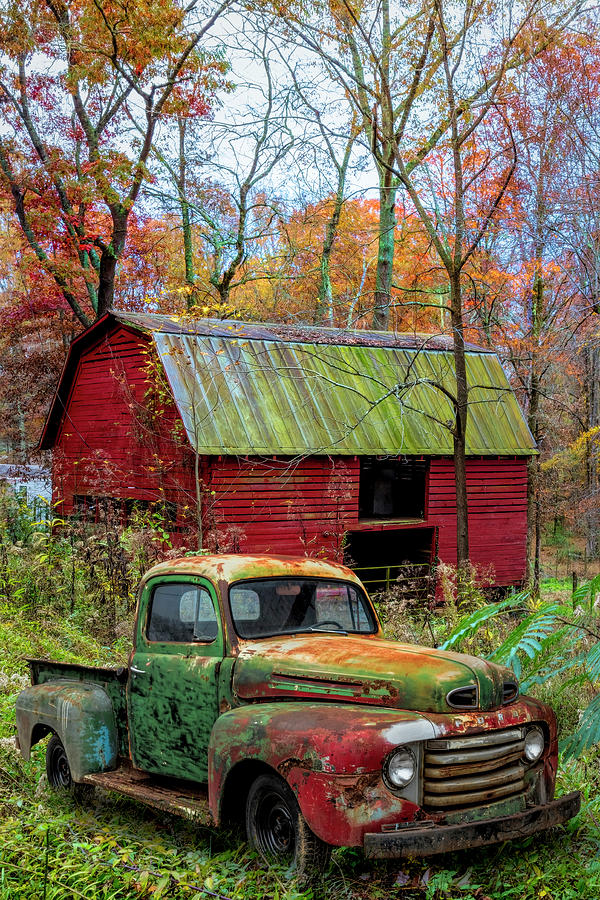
113,680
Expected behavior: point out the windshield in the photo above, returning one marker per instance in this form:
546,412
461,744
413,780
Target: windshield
272,606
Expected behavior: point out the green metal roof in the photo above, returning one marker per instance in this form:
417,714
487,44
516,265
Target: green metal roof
249,395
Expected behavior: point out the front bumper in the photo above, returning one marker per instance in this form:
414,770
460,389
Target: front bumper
422,840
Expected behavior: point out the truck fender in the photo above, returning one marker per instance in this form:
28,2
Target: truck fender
82,716
337,745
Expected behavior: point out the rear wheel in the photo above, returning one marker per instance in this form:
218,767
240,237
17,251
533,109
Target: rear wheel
277,829
57,765
58,772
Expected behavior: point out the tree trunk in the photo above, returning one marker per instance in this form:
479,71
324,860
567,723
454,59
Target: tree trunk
109,259
198,486
186,219
325,294
223,288
385,254
324,310
533,420
188,248
460,430
533,500
592,371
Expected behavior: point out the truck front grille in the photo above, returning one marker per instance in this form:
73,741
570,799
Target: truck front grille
474,770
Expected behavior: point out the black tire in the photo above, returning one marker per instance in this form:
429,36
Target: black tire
57,765
59,775
278,831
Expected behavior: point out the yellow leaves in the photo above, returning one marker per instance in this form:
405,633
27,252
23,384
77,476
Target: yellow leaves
573,452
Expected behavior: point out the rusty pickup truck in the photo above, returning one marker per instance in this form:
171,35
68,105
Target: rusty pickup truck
261,689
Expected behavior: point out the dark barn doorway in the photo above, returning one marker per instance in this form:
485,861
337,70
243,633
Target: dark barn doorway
392,557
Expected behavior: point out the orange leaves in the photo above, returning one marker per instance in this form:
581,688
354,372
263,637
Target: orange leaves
84,112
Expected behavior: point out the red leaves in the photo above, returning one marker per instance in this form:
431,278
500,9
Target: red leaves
75,179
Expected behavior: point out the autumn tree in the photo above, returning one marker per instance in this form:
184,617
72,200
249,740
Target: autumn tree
546,253
420,76
221,177
79,82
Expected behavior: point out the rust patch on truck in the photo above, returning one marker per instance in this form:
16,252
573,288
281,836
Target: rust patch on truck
352,791
285,768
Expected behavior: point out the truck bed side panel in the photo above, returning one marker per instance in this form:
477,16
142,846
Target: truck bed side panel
113,681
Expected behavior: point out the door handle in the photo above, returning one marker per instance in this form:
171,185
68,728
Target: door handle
137,671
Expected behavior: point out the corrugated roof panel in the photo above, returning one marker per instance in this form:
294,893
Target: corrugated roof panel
280,331
248,396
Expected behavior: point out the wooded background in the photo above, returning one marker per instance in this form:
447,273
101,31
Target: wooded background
430,166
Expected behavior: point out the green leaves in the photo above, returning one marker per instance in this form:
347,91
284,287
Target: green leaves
470,624
529,637
551,640
588,732
585,594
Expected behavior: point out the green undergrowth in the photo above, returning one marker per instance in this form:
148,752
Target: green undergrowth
114,849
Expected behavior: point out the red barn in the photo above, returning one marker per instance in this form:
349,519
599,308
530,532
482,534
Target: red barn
289,439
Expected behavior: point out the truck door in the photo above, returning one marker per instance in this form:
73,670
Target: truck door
173,682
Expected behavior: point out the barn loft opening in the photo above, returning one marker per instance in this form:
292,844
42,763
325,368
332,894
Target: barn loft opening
392,488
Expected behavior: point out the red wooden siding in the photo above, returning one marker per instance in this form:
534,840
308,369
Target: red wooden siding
108,445
497,490
285,506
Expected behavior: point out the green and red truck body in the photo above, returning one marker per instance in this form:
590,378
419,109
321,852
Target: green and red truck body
262,688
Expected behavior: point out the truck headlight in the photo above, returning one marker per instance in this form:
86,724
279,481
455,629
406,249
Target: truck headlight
399,768
534,744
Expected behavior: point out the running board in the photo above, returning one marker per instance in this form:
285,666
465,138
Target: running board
177,797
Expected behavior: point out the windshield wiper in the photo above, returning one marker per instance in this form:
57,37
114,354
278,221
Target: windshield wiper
326,629
307,629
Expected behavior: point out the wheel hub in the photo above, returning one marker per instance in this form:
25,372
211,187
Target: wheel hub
275,825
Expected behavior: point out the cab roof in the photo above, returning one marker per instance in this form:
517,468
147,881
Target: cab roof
237,566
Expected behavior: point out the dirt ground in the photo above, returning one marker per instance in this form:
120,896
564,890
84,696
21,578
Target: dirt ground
568,560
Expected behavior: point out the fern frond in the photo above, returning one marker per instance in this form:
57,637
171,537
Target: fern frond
592,663
560,653
588,732
585,594
469,624
529,637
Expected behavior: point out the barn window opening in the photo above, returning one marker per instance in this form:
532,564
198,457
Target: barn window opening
134,509
98,509
392,488
125,512
84,507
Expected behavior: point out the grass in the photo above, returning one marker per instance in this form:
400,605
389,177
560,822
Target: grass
114,849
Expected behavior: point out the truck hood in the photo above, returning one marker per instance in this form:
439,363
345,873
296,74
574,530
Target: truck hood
364,670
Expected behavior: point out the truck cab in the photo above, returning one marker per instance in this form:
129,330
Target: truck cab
262,688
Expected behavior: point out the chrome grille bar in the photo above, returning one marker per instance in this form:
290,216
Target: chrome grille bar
455,785
473,770
477,740
472,757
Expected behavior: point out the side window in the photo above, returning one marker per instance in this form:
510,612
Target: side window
245,604
181,613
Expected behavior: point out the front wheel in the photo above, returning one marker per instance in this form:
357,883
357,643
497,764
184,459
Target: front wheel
277,829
